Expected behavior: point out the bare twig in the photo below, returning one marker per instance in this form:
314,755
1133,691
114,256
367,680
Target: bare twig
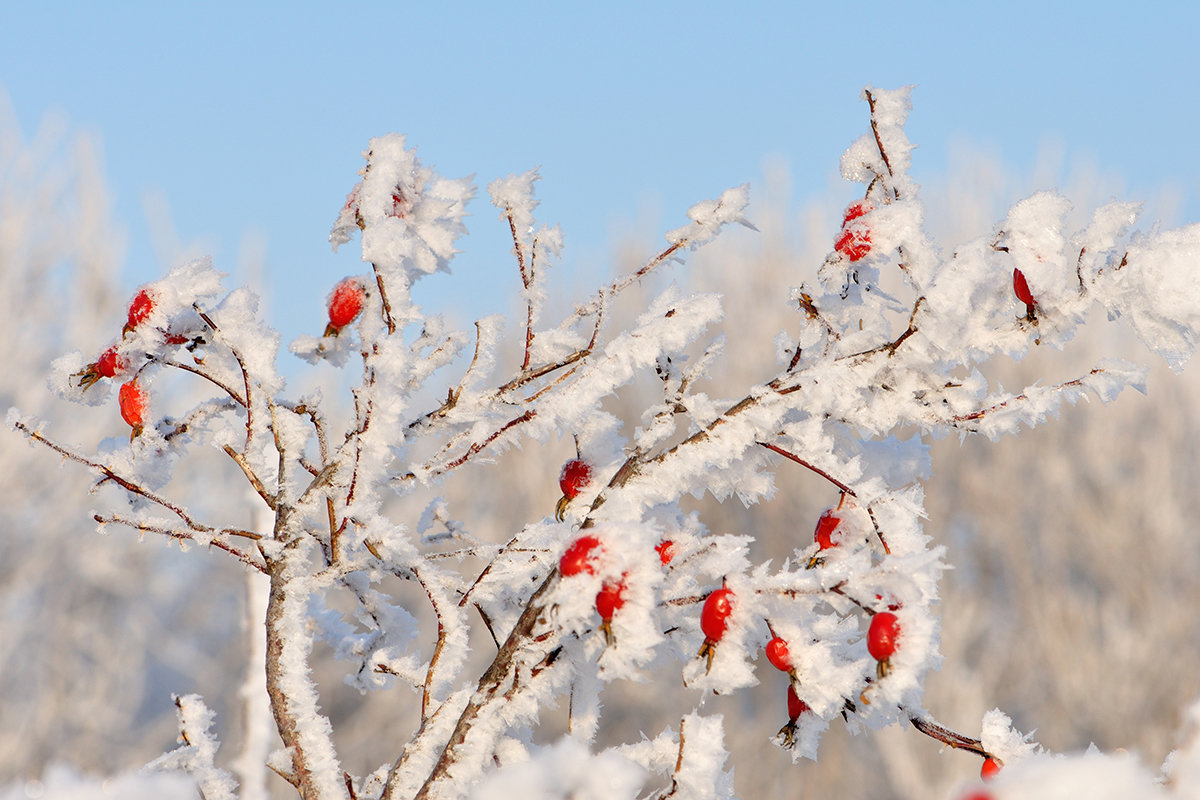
240,460
212,535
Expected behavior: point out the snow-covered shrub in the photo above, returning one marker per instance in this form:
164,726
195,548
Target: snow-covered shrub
620,582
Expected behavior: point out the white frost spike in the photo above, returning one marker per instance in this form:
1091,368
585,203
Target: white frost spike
710,216
998,737
514,196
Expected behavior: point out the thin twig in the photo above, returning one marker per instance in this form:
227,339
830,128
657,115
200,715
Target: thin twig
189,536
879,143
126,484
383,297
241,461
948,737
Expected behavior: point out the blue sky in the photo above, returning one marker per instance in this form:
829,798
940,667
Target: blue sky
251,118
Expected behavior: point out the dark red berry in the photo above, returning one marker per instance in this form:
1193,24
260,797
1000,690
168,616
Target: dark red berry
856,210
883,635
580,556
576,474
778,655
609,599
826,525
714,618
796,706
666,551
1021,288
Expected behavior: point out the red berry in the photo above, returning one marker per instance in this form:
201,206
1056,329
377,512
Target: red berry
856,210
1021,288
714,618
139,308
345,304
796,706
990,769
854,243
109,363
666,551
978,795
579,557
882,636
609,599
132,400
106,366
778,655
826,525
576,474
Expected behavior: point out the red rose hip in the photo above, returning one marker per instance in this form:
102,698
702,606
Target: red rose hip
580,556
882,639
609,601
714,620
575,476
107,365
132,400
778,655
139,308
796,707
345,304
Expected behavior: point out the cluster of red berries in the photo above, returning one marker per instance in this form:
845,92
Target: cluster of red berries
780,658
854,242
132,398
582,555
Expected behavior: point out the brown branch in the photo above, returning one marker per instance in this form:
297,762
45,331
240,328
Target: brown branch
891,347
475,447
948,737
879,143
527,281
248,471
241,401
387,305
124,483
793,457
980,413
505,662
437,648
188,536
